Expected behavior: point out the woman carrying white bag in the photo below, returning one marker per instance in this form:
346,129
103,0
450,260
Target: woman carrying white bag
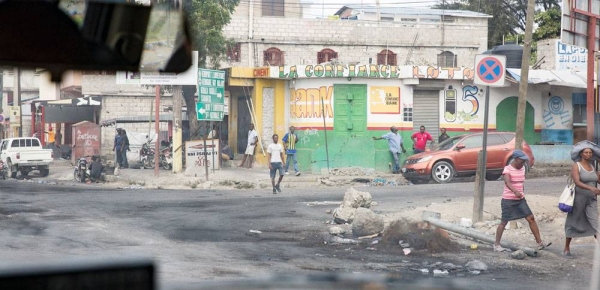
582,221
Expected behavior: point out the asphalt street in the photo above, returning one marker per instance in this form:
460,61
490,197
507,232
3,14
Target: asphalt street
201,236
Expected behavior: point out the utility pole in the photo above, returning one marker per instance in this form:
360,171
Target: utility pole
17,97
524,75
177,129
2,101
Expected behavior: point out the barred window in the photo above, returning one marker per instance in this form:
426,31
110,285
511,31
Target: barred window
386,57
273,57
326,55
446,59
273,8
234,53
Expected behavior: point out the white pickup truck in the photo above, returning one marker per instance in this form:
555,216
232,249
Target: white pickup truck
25,155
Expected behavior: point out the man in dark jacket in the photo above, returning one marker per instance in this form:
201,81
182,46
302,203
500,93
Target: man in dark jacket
95,169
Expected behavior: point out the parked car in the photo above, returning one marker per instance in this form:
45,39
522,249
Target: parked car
457,156
25,155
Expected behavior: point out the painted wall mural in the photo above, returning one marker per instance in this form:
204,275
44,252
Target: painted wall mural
384,100
464,109
306,109
556,116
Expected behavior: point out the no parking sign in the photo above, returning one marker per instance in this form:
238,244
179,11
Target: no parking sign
490,70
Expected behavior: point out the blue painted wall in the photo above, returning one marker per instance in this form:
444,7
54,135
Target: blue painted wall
558,136
552,153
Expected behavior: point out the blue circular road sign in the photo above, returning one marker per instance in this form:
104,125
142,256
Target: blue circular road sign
490,70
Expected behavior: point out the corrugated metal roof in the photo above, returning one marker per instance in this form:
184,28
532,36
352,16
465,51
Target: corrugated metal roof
414,11
564,78
138,119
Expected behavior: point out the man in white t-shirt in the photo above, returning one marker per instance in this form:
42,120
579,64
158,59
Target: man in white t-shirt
252,140
275,155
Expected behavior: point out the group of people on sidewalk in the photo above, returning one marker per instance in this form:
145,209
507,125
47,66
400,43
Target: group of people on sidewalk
121,146
582,221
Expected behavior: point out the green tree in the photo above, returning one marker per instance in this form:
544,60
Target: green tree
207,18
508,16
548,24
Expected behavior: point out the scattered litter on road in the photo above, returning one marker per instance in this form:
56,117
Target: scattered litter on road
406,251
440,273
314,203
254,233
519,255
476,265
371,249
383,182
135,186
338,240
474,272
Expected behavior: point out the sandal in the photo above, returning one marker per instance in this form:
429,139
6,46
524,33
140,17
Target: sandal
500,249
542,245
568,255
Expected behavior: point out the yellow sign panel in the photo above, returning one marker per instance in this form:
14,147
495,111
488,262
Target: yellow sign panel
15,114
385,100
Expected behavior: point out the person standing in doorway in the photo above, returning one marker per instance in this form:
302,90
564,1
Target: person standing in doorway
396,146
275,155
57,138
443,135
289,143
250,148
117,145
420,140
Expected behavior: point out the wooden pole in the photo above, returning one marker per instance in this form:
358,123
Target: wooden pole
177,129
522,105
156,130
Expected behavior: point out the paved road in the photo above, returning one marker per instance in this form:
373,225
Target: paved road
196,236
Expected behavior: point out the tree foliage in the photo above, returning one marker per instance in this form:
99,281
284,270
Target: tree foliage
207,18
548,24
508,16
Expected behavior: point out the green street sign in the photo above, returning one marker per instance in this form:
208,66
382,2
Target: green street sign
210,111
211,95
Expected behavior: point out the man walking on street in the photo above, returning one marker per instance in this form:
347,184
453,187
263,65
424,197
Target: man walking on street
275,155
420,140
395,143
252,140
124,148
289,143
443,135
117,145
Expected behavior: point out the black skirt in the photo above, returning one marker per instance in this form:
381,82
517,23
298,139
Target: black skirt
515,209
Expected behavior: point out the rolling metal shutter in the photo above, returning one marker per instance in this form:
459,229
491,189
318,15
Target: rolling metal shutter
426,112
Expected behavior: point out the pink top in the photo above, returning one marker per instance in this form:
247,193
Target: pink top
517,178
421,142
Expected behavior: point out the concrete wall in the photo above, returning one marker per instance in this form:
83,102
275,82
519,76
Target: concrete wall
356,41
126,106
94,83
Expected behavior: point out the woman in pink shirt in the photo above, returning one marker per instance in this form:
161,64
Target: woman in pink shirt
514,205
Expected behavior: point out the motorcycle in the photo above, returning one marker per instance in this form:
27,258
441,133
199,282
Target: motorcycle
81,172
166,157
3,170
147,156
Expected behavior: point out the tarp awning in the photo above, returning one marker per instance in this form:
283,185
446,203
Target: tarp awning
563,78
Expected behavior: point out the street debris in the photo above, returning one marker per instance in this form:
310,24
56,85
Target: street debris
327,182
254,233
317,203
465,222
406,251
416,237
476,265
519,255
351,171
328,211
338,240
366,222
438,273
133,186
353,199
335,230
383,182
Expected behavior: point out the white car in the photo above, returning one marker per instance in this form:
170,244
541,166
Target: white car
25,155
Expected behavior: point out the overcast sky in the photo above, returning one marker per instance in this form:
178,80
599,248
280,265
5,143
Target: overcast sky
329,7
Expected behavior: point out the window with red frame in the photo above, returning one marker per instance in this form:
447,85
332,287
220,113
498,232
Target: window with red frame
273,57
326,55
386,57
234,53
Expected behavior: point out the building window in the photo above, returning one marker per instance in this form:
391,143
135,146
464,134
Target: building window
446,59
408,114
326,55
386,57
234,53
273,8
273,57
